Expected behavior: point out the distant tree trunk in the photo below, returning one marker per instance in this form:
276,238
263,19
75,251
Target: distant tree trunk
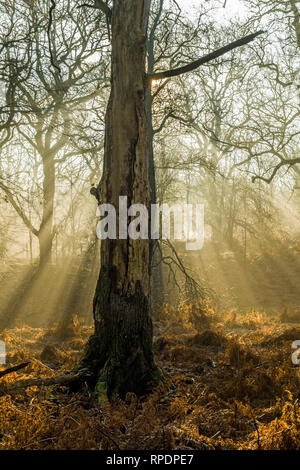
45,234
30,246
156,274
120,353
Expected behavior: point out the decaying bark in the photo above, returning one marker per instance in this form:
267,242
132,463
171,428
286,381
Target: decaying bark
120,353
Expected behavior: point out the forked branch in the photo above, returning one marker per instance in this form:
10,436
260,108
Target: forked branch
99,5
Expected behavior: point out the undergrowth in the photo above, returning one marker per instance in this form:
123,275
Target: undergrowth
230,384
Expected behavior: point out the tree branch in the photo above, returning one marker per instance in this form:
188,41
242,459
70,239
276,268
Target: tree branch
163,122
99,5
290,162
205,59
51,9
18,209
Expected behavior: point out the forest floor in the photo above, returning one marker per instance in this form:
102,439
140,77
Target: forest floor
230,384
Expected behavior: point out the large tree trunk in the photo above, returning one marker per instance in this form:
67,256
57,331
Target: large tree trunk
120,353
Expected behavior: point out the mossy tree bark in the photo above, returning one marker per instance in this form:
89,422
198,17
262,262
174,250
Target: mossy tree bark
120,352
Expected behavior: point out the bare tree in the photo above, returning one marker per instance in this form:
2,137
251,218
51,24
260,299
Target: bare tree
120,353
57,79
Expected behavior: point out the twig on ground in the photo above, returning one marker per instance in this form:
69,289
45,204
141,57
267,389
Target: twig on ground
13,369
21,385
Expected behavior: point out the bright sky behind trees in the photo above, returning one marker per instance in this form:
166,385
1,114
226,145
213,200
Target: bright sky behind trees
232,9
